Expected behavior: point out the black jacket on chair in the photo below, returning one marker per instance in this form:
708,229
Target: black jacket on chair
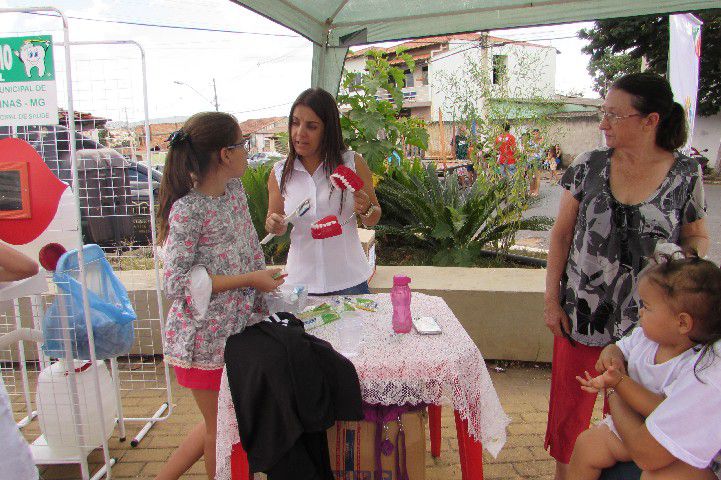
285,385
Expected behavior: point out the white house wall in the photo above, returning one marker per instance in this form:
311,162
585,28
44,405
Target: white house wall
531,71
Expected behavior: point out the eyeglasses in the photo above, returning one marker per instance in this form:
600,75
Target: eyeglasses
613,118
245,144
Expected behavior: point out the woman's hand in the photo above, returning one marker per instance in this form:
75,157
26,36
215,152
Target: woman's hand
362,202
611,356
556,319
275,224
266,280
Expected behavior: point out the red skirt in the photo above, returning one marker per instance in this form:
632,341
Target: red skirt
198,379
570,408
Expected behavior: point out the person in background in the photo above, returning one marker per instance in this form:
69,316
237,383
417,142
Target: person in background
535,161
214,267
506,145
336,265
680,307
559,156
16,461
460,143
552,161
619,204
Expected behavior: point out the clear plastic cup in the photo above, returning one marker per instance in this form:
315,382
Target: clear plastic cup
287,298
350,333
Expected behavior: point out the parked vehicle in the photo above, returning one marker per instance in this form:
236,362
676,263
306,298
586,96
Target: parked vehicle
262,158
114,193
699,156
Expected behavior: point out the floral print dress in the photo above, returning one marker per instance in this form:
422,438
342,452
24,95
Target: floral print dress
208,236
612,242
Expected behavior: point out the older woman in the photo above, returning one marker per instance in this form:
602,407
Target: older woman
620,203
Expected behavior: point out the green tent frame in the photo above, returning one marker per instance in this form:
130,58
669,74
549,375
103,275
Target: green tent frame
335,25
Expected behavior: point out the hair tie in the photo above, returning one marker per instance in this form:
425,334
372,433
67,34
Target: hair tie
178,137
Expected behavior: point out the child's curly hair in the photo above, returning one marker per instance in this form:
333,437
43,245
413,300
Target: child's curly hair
692,285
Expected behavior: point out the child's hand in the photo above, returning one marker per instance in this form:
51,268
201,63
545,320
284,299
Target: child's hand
607,379
267,280
591,384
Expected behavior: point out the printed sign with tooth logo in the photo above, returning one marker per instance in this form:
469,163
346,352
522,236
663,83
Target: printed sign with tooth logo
27,81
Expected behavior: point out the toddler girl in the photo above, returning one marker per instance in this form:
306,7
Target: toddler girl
680,300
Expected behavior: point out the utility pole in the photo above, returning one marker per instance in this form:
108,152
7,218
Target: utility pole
215,95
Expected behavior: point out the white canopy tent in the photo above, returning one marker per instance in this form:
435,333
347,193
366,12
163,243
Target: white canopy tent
335,25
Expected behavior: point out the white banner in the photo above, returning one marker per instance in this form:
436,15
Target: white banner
683,63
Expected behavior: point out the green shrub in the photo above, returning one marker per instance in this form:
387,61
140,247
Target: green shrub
255,183
452,223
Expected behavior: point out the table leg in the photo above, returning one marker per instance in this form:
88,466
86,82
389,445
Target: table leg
239,468
470,451
434,425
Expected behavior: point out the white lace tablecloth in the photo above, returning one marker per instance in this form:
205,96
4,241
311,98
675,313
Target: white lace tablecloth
446,369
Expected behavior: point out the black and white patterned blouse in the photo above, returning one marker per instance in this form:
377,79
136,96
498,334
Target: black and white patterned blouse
612,242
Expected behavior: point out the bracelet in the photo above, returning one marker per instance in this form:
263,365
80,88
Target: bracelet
369,212
619,381
610,391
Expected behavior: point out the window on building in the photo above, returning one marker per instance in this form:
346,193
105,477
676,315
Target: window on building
500,69
408,78
357,79
424,75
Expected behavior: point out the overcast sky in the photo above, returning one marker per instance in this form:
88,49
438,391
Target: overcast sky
258,66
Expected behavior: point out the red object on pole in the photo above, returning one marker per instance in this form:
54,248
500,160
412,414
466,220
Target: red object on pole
44,187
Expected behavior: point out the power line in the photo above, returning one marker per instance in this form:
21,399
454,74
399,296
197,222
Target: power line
179,27
262,108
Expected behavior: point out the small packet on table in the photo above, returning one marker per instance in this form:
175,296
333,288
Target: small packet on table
318,315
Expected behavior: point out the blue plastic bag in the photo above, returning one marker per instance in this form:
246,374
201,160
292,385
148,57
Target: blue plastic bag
111,312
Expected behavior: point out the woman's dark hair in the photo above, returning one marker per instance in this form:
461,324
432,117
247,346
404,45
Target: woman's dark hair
331,146
652,93
692,285
193,151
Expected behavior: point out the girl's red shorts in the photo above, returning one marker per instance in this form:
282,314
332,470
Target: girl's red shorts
198,379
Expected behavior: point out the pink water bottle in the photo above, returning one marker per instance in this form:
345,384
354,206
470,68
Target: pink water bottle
401,299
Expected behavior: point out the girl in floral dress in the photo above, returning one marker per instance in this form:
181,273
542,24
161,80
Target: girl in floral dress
214,267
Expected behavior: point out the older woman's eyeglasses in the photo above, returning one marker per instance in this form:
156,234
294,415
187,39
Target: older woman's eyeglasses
245,144
613,118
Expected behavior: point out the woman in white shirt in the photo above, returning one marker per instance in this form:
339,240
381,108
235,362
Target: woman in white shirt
335,265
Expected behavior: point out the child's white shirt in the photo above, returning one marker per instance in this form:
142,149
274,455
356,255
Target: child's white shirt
640,353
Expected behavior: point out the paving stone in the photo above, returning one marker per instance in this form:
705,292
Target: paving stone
535,468
526,428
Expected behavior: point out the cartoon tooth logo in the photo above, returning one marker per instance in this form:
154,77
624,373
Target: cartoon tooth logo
32,54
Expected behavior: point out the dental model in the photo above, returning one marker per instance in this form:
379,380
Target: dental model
326,227
346,179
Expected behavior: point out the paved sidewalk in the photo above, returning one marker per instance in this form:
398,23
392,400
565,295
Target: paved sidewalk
523,390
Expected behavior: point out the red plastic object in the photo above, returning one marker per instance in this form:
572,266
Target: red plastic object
434,425
326,227
346,179
49,255
239,468
45,191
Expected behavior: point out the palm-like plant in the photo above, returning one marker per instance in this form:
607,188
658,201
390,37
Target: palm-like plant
456,224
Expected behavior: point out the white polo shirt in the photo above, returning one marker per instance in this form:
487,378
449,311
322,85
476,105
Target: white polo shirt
333,263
